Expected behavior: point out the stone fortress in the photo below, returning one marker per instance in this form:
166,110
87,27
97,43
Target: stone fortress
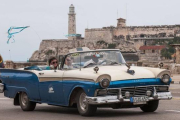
126,38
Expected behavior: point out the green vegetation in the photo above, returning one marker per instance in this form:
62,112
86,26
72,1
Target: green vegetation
49,52
102,42
169,50
176,40
111,46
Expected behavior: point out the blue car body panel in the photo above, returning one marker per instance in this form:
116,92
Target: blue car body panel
17,80
69,86
56,97
20,81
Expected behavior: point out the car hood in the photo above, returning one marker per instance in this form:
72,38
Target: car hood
116,73
120,72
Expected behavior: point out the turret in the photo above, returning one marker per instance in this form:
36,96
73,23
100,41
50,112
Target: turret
121,22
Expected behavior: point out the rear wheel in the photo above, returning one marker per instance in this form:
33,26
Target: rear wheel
151,106
84,108
25,104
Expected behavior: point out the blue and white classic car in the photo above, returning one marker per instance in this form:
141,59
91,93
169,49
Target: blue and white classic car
88,79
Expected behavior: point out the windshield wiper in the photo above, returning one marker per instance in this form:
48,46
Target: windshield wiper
90,64
112,63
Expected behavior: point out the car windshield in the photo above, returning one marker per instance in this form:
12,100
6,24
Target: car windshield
93,58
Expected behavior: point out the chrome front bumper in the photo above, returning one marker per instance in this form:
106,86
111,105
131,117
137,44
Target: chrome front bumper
119,99
1,88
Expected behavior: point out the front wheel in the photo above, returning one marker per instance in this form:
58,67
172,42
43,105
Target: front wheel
84,108
151,106
25,104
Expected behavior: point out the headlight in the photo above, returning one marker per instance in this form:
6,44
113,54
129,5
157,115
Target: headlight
104,83
165,78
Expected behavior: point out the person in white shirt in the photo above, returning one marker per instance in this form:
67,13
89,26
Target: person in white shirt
94,60
68,63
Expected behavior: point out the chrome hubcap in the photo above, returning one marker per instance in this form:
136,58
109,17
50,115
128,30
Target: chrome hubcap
24,99
82,101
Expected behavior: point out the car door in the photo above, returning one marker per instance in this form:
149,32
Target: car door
50,86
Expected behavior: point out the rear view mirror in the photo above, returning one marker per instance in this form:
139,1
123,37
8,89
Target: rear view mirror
90,57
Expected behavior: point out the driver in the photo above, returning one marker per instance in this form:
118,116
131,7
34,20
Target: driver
68,63
94,60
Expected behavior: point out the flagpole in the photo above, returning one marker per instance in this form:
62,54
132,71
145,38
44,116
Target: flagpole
10,54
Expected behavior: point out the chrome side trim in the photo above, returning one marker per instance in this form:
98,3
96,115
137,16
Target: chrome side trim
47,79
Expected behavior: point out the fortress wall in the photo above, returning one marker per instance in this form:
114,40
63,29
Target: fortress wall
120,33
138,44
123,37
137,31
98,35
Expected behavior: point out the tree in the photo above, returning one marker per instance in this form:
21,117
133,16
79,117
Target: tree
167,52
112,46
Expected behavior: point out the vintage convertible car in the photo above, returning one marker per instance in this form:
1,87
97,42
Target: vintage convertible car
88,79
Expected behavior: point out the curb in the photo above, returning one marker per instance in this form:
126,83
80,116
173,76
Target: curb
173,82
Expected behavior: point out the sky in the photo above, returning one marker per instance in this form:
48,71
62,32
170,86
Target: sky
48,19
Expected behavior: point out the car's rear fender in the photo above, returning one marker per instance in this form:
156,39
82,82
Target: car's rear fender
20,81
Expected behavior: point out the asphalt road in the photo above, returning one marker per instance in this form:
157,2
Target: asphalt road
168,110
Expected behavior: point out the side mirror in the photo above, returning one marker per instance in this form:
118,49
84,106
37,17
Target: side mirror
128,66
132,72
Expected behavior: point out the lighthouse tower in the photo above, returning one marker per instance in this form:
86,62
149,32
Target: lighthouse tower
71,23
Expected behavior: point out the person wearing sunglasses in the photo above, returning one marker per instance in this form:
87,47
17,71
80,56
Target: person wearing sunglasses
53,63
68,63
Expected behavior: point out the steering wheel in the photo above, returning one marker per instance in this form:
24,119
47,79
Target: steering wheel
113,62
108,62
102,62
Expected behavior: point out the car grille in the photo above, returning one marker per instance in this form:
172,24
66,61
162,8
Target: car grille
162,88
137,91
134,91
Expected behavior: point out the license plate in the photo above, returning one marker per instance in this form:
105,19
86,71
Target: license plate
140,100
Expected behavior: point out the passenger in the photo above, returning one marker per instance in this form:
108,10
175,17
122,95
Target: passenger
94,60
1,62
53,63
68,63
